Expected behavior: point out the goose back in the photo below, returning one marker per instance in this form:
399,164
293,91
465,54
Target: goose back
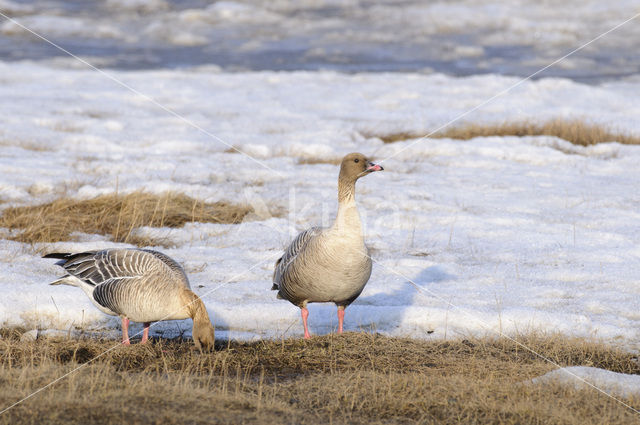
143,285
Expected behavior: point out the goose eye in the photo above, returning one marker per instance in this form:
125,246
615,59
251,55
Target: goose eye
356,160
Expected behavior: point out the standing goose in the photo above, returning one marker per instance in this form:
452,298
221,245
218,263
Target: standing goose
139,285
329,264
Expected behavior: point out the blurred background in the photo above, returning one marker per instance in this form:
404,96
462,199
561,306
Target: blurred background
459,38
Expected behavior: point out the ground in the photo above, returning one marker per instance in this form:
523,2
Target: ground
357,377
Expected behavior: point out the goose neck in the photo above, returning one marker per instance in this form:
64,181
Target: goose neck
348,217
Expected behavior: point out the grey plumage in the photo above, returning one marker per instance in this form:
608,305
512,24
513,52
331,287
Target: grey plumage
137,284
142,285
329,264
290,255
321,265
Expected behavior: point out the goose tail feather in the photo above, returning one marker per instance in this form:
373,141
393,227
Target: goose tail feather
60,255
64,280
58,281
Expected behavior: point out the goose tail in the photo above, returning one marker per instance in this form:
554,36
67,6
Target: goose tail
275,286
62,256
58,281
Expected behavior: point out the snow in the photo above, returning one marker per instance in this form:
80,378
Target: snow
581,377
462,37
498,233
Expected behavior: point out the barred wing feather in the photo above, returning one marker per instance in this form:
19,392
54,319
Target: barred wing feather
99,267
291,253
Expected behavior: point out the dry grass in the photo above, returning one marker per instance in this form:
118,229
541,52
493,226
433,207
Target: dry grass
26,144
116,216
575,131
312,161
355,378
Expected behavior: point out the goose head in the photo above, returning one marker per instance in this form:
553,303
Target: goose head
203,335
356,165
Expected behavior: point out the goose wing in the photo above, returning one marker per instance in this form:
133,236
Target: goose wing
291,253
126,281
172,264
99,267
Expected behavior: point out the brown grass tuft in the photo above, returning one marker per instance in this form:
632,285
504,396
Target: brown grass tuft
116,216
575,131
312,161
399,136
354,378
26,144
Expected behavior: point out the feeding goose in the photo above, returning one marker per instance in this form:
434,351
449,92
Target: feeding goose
329,264
140,285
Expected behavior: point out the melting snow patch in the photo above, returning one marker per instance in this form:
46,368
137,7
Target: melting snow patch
613,383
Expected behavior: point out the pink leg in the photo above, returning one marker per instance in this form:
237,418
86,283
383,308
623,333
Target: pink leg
340,318
305,314
125,331
145,332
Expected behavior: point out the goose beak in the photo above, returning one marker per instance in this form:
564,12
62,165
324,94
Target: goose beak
374,167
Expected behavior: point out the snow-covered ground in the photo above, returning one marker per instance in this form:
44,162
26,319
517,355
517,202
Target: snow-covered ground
500,234
583,377
458,37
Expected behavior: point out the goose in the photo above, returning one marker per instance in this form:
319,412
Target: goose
329,264
140,285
